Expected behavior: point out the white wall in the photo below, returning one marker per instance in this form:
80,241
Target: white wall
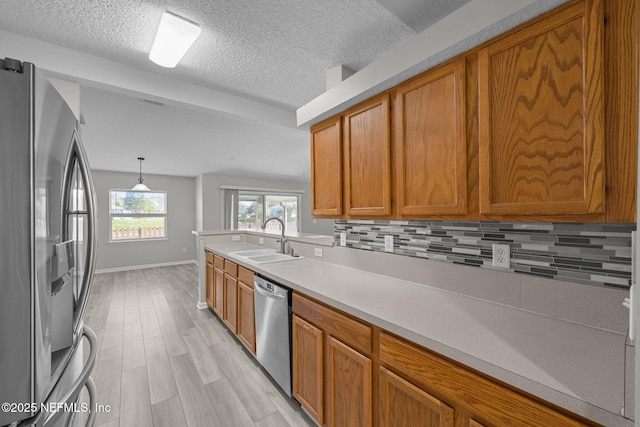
199,210
210,202
181,221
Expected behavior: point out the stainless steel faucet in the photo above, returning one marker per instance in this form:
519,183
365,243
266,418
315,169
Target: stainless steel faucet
283,240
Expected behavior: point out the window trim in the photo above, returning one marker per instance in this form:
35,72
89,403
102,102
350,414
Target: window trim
164,215
264,193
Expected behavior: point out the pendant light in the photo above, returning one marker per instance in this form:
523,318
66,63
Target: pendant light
140,186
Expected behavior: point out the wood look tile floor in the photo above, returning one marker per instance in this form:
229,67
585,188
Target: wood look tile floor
163,362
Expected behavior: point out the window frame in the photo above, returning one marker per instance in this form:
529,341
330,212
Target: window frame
164,215
264,194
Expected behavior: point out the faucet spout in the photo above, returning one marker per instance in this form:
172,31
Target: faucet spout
283,240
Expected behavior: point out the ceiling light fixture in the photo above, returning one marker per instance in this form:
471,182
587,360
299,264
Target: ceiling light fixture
140,186
174,38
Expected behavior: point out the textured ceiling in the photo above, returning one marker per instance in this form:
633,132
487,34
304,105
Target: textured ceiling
276,52
179,141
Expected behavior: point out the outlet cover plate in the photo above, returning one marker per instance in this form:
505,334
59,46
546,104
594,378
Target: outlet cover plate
501,255
317,252
343,239
388,243
235,238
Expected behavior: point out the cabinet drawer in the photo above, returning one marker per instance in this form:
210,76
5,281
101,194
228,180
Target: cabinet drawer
218,262
231,268
350,331
451,382
245,276
209,256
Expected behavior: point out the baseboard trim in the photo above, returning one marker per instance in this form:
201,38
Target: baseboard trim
202,305
140,267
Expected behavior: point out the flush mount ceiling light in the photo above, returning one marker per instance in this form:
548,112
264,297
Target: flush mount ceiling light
174,38
140,186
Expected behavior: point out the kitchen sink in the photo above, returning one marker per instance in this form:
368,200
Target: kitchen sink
263,256
256,252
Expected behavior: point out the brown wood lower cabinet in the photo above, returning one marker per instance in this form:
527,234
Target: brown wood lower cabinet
230,316
332,370
335,363
404,405
348,386
232,298
209,280
230,312
471,395
246,316
308,367
218,291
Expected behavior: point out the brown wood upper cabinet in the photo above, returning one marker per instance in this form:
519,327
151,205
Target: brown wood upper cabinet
430,143
541,121
326,168
367,158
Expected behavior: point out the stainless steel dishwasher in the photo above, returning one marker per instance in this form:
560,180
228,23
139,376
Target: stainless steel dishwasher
272,306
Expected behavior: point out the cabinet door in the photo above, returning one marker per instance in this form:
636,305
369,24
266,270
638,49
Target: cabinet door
541,117
326,168
218,292
348,386
404,405
246,317
230,315
209,285
308,372
431,157
368,159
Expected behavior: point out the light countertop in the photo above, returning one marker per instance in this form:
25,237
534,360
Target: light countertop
577,367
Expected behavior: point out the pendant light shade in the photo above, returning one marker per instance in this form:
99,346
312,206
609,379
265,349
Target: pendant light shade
140,186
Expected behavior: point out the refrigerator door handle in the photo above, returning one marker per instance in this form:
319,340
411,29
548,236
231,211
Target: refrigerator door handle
78,155
72,395
91,389
82,380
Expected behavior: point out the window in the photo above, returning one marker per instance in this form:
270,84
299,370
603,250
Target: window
254,208
137,215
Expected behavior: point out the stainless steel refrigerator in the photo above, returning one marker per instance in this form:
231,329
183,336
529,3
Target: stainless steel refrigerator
47,252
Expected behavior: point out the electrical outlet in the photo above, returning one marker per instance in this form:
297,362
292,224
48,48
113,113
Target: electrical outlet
235,238
317,252
261,240
501,256
343,239
388,243
184,250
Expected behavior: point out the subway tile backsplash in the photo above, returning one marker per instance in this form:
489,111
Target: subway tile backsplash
589,253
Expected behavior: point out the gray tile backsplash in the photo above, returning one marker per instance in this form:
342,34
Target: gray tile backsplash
590,253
